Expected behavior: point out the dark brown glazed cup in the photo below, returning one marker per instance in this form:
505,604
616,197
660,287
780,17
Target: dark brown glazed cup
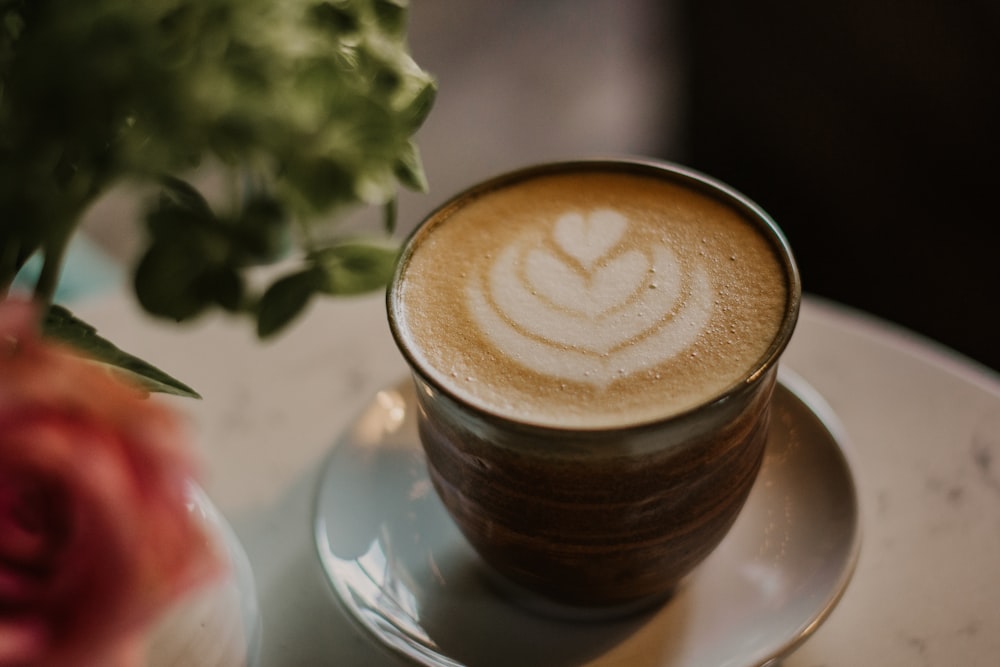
605,519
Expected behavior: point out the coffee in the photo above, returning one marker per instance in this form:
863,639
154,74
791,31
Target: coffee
594,296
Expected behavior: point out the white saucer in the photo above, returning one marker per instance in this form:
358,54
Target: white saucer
405,574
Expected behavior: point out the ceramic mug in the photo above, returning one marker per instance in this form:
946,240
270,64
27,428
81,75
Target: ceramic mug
590,513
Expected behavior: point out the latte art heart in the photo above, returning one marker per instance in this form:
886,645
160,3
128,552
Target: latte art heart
585,307
588,239
592,294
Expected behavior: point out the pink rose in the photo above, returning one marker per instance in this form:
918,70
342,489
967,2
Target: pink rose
95,534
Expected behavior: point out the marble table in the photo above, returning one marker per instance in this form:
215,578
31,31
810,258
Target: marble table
923,425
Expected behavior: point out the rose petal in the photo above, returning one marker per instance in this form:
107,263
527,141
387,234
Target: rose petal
22,641
17,587
28,521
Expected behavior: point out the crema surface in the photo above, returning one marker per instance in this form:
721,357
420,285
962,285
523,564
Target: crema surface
589,299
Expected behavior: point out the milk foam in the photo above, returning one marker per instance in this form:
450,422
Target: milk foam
589,300
593,312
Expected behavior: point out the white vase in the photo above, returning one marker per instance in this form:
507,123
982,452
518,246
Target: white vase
218,625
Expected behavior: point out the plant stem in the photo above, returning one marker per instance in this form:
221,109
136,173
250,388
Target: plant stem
8,265
80,193
54,253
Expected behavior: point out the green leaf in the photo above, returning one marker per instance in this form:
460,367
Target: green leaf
224,287
185,196
391,16
418,107
408,169
168,281
323,182
61,325
355,267
390,215
261,234
285,299
339,21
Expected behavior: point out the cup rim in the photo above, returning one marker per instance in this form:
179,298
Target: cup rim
672,171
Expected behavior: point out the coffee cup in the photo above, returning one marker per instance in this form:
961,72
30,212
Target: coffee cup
594,345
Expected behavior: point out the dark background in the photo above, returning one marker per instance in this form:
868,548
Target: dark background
869,130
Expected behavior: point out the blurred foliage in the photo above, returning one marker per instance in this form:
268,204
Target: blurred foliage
310,106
